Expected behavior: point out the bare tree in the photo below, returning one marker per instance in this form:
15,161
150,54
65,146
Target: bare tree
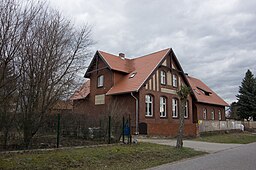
45,51
10,39
183,95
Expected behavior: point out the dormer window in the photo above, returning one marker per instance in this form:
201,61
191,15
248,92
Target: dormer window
163,77
100,81
207,93
174,80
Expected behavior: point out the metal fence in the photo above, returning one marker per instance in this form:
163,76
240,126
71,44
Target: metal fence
65,130
215,125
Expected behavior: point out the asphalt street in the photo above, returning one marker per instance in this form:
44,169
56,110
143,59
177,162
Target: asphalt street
241,157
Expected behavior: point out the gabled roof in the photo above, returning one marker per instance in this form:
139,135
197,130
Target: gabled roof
82,92
142,67
116,63
203,93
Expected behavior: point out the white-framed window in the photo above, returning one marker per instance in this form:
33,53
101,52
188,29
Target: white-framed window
174,80
204,113
163,77
149,105
174,108
163,111
212,114
100,81
186,110
219,113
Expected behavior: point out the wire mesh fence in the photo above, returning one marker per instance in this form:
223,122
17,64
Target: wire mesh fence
68,129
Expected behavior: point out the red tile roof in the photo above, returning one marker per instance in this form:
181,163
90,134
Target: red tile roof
203,93
142,66
116,63
82,92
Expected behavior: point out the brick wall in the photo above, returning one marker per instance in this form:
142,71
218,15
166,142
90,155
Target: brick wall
209,108
170,130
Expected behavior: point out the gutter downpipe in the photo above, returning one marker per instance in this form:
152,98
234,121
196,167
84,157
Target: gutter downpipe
136,118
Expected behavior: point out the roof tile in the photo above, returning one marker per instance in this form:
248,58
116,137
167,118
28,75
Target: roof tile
199,89
82,92
143,66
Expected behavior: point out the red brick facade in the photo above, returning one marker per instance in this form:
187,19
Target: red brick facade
215,109
151,125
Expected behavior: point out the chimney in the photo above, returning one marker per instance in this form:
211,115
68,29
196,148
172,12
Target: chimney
122,56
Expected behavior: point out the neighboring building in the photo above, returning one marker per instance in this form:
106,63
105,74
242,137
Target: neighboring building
207,104
145,87
62,107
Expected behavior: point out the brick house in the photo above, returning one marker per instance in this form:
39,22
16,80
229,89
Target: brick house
146,87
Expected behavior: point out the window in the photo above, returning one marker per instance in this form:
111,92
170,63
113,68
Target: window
219,112
132,75
163,107
174,108
149,105
174,80
186,110
163,77
204,113
99,99
212,114
100,81
207,93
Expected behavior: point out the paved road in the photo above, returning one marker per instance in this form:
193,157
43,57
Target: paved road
238,158
197,145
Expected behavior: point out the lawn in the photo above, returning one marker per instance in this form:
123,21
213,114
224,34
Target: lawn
139,156
238,138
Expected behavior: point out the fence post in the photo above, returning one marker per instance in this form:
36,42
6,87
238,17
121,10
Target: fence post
100,133
58,131
123,129
130,136
109,129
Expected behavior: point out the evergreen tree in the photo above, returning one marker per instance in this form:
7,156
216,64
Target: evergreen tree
246,96
233,111
254,100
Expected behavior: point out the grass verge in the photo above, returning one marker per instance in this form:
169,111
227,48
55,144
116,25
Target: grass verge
140,156
238,138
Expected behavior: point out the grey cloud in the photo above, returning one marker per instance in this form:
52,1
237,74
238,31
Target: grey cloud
214,40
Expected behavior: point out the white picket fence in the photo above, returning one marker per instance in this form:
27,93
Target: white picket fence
215,125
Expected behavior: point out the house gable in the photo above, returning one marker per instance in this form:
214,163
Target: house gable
170,65
99,67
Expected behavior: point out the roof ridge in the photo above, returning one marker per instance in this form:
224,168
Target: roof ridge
112,54
192,77
151,53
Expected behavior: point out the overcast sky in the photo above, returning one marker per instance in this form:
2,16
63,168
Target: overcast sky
214,41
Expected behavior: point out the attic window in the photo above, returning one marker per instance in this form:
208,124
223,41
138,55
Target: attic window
207,93
132,75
